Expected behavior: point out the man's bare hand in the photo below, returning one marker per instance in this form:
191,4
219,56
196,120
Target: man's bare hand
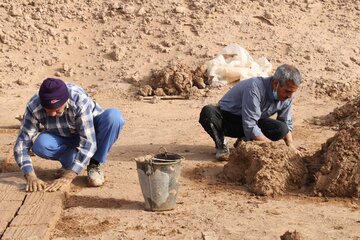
298,150
34,184
62,183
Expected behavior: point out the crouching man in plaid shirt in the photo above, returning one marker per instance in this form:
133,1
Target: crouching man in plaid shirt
77,133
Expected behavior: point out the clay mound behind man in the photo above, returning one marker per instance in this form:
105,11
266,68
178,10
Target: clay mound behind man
266,168
347,114
339,175
176,79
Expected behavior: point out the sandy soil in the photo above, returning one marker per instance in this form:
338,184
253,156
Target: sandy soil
111,48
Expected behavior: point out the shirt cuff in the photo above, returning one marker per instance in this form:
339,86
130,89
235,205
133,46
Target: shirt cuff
253,133
77,167
27,168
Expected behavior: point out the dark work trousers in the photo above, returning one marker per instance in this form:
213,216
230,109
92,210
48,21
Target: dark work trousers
218,124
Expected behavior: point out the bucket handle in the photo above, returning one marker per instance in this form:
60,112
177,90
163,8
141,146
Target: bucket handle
164,151
149,168
148,172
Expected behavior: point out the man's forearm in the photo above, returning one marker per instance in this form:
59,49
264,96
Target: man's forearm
262,138
30,175
288,139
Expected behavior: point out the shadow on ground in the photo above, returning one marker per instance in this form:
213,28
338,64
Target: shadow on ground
98,202
190,152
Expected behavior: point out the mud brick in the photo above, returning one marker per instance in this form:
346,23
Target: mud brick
13,196
54,196
46,212
12,181
44,197
9,205
11,187
47,206
6,187
3,225
35,198
8,131
49,220
35,219
35,232
6,217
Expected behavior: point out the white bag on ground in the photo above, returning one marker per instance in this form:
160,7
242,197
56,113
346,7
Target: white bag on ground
234,63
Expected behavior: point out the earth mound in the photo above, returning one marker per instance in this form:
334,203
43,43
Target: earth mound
340,90
266,168
339,175
346,114
291,236
175,79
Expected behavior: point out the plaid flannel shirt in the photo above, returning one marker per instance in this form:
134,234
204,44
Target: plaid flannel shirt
76,120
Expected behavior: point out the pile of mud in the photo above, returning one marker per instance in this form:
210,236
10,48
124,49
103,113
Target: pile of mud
346,115
291,236
266,168
339,175
274,169
175,79
340,90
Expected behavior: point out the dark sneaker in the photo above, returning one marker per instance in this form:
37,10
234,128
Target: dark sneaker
95,175
222,154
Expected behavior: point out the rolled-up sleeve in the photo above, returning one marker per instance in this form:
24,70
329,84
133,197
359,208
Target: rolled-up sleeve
285,116
87,145
251,113
28,131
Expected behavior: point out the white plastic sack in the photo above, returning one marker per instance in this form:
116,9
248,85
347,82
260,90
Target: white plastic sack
234,63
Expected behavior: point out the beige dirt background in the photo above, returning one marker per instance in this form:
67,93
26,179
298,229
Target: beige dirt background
110,48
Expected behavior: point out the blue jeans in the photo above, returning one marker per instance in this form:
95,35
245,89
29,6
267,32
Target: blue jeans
63,149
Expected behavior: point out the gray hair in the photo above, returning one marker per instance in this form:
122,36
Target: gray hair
285,73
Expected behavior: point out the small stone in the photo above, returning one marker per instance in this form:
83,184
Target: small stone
117,55
329,69
268,15
36,16
308,57
146,90
159,92
345,64
237,22
209,235
141,11
291,236
20,82
155,99
15,12
180,9
128,9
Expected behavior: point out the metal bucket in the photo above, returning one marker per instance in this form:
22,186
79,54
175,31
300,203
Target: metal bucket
159,180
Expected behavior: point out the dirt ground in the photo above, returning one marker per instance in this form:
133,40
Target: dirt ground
111,48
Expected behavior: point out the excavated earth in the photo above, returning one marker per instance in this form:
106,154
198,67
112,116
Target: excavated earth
119,50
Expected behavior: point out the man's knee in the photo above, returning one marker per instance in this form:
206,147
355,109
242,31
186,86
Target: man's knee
281,131
37,148
113,117
42,145
206,114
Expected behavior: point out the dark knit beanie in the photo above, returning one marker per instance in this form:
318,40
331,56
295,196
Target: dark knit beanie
53,93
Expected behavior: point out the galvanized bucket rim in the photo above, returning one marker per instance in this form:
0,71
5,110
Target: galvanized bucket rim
173,157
